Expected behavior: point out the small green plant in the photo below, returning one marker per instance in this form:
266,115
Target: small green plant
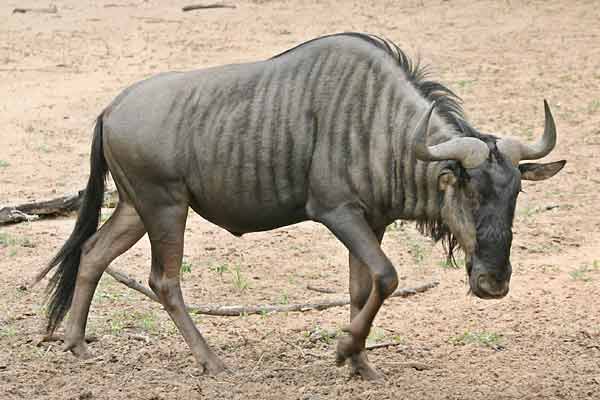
122,320
103,295
549,268
319,334
168,328
394,226
488,339
148,322
186,267
448,264
4,164
44,148
417,252
219,269
8,331
117,324
7,240
583,271
463,83
238,279
594,106
376,335
285,299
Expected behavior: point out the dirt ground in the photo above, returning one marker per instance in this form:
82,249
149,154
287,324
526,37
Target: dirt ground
57,72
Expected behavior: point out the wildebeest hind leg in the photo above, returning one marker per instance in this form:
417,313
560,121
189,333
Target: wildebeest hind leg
360,288
166,230
349,225
122,230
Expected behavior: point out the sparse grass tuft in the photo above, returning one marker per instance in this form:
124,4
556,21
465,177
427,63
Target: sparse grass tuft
4,164
239,281
594,106
116,324
395,226
145,321
186,266
7,240
44,148
447,264
549,268
376,335
8,331
417,251
285,299
582,273
219,269
463,83
488,339
319,334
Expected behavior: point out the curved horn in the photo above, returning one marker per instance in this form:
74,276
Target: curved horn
518,151
469,151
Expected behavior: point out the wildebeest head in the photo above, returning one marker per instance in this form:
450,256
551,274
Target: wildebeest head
479,194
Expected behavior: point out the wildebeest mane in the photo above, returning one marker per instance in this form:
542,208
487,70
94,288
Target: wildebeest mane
448,103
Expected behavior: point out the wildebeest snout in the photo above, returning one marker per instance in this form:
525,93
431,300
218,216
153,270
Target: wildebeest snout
490,284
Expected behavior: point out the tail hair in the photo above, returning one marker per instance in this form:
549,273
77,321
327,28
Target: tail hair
62,284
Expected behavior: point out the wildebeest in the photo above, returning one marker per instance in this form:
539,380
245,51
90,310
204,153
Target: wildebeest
344,130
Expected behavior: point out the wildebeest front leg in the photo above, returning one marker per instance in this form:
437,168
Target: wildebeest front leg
360,288
349,225
166,236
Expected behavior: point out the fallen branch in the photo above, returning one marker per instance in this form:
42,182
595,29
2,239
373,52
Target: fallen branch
60,205
234,311
131,283
50,208
320,289
205,7
382,345
268,308
48,10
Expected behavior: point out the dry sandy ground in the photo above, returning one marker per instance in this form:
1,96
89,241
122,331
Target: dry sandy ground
57,71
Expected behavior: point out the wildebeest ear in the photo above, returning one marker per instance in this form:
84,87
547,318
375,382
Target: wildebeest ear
539,172
445,179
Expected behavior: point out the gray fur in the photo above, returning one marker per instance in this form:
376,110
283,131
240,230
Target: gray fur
328,121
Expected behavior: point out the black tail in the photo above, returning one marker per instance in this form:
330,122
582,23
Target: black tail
62,283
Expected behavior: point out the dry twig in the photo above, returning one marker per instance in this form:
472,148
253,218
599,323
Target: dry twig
47,10
206,6
131,283
382,345
320,289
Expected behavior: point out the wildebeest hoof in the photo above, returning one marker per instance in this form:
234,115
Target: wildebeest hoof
346,348
212,366
79,350
360,365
